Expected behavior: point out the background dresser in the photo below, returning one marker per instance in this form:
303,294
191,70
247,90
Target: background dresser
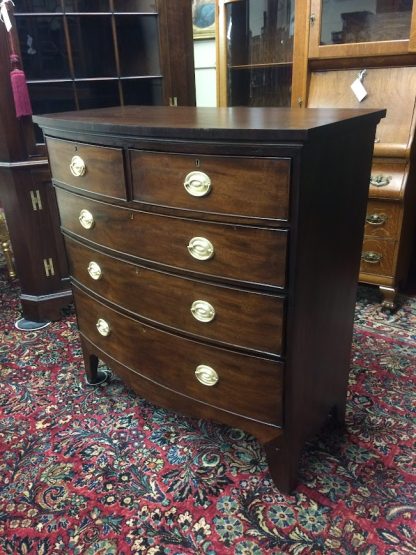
214,260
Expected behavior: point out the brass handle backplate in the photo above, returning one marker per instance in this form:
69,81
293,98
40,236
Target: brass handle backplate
206,375
376,219
86,219
380,180
103,327
203,311
201,248
197,184
371,257
77,166
94,270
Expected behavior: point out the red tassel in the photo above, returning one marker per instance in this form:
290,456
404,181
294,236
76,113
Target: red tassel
22,103
20,93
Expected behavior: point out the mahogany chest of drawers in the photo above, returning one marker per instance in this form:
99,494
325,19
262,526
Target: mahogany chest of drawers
214,258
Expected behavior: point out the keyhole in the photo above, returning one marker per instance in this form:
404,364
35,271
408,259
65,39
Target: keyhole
197,163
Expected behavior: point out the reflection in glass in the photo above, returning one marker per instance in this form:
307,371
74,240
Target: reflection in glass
92,46
260,31
143,91
352,21
135,6
97,94
138,34
37,6
260,86
43,47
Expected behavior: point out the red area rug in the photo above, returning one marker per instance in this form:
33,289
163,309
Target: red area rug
97,470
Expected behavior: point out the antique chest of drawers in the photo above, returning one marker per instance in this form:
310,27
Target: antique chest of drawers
214,259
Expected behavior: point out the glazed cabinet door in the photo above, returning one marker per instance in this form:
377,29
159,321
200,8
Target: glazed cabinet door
353,28
255,52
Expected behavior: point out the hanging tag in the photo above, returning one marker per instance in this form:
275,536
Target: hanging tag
358,88
5,16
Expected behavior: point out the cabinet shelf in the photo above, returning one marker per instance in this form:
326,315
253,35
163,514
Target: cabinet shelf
270,65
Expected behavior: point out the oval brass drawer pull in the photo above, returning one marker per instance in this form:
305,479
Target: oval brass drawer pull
376,219
103,327
94,270
203,311
380,180
197,184
206,375
86,219
200,248
77,166
371,257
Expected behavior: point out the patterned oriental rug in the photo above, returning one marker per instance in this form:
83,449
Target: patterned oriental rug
98,470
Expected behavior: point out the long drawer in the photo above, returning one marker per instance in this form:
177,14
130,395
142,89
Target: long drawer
202,309
383,219
244,253
379,256
251,187
238,383
91,168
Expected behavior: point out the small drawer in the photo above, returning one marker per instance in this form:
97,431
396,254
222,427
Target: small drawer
234,252
232,185
383,219
92,168
378,257
242,384
198,308
388,180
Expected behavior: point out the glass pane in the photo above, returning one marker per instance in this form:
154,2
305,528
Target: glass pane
49,98
97,94
143,91
365,21
43,47
87,5
92,46
45,6
138,43
260,31
135,6
260,86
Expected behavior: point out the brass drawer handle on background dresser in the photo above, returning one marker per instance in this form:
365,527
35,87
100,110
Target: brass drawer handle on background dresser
197,184
94,270
206,375
371,257
103,327
201,248
380,180
376,219
203,311
86,219
77,166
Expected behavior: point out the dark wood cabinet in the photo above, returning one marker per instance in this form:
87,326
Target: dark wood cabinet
215,267
77,55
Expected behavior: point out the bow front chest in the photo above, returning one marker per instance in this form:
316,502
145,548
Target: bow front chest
214,255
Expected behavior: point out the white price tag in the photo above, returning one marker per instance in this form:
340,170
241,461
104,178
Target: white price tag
359,90
5,16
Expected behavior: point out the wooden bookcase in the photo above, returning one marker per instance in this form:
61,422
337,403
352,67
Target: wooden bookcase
77,54
321,48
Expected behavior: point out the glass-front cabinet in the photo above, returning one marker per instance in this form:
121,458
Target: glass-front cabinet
351,28
256,51
91,53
